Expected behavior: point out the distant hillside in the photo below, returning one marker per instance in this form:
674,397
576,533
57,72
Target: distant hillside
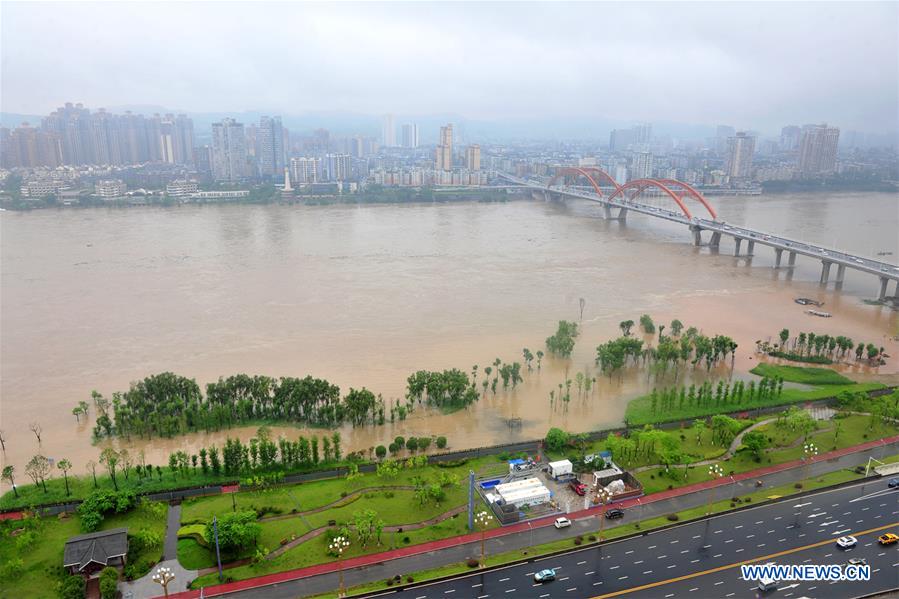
11,119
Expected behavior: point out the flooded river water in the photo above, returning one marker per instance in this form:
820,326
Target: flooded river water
366,295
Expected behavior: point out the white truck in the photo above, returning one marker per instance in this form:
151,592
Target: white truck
560,468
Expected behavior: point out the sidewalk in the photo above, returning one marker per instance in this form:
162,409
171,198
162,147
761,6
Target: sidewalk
693,490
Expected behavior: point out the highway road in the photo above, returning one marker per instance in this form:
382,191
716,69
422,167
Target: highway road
702,559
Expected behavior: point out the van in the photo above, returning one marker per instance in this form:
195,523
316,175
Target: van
767,584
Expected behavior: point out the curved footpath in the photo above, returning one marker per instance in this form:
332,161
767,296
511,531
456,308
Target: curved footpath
378,566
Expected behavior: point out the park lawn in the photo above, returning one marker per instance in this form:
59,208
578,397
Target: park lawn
43,559
194,556
314,494
801,374
315,551
639,410
786,446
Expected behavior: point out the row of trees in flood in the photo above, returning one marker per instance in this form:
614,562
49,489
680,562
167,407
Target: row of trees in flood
725,393
671,351
820,348
168,404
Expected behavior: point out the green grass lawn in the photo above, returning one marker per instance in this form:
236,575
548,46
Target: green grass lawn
786,445
639,410
802,374
314,551
43,559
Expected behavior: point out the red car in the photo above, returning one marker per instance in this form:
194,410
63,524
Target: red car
578,487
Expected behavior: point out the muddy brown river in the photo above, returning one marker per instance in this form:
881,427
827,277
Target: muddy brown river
365,295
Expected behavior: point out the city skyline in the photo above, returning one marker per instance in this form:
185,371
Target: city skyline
565,68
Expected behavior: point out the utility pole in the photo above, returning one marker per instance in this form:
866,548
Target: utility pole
218,556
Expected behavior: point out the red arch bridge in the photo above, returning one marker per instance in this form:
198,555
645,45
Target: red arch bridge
683,204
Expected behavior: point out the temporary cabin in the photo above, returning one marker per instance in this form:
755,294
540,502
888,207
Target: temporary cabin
560,468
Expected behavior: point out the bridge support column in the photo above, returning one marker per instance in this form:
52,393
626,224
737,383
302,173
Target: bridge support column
825,271
791,262
737,242
841,271
715,241
883,288
607,211
778,254
697,236
750,248
622,214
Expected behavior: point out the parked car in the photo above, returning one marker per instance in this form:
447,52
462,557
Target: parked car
562,522
893,482
847,542
545,575
614,514
767,584
858,561
578,487
888,539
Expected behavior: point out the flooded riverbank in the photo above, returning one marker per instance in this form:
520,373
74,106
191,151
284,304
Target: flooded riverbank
364,296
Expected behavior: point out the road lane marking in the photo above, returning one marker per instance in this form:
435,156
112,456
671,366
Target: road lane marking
685,551
571,589
638,562
582,563
503,579
693,561
589,573
449,591
741,526
803,504
662,557
648,572
628,552
696,536
717,555
480,584
692,575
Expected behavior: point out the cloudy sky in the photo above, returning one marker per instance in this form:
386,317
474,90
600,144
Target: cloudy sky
753,65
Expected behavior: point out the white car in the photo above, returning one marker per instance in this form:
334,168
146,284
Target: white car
562,522
847,542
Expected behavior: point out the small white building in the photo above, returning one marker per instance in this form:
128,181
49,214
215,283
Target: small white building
560,468
109,189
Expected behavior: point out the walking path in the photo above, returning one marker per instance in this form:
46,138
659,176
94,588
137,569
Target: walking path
145,587
455,549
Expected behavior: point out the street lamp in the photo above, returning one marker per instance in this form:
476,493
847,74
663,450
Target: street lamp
715,472
481,520
163,577
337,546
809,450
603,495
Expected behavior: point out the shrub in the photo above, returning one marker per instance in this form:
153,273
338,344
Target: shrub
672,517
410,579
381,452
109,579
12,568
592,537
441,442
406,540
472,563
72,587
797,486
389,582
412,444
578,540
400,442
556,439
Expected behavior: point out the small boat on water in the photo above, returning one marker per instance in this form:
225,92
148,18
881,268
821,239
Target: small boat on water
804,301
818,313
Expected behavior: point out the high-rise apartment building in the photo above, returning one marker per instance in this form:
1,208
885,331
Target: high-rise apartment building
642,165
410,135
229,151
443,156
818,150
790,137
337,167
740,149
270,147
388,131
305,170
473,157
27,146
642,133
620,139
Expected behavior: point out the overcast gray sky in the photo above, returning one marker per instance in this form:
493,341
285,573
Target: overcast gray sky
748,64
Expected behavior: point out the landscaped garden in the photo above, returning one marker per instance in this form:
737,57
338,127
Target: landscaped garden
31,550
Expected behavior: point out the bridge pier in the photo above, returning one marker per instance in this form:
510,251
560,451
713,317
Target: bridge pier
841,271
883,288
697,235
607,211
825,271
778,254
715,241
737,242
791,262
750,248
622,213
